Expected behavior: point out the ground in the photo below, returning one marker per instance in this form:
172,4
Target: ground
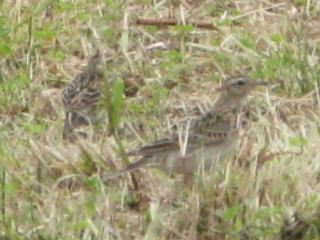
268,188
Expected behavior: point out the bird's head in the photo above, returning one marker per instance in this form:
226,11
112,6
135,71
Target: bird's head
240,86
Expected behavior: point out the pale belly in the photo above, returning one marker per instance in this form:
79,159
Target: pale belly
203,158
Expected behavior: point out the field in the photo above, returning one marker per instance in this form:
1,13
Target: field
51,188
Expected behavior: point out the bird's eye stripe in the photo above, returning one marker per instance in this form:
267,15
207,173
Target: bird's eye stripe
239,83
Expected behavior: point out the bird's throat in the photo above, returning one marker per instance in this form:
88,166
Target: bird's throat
226,101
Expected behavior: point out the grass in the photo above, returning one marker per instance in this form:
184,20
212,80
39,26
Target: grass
51,189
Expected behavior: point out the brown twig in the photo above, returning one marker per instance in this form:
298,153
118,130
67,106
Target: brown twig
174,22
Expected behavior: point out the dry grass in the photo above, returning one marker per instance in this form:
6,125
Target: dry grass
51,189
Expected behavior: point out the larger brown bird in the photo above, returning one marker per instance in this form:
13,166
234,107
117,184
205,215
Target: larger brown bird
207,139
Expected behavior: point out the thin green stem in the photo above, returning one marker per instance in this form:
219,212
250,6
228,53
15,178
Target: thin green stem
112,127
3,194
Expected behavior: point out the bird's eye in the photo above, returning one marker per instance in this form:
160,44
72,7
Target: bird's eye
240,83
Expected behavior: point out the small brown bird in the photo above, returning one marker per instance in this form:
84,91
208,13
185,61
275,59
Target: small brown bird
206,140
294,228
81,96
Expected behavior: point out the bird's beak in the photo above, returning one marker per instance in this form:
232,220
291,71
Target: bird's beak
261,83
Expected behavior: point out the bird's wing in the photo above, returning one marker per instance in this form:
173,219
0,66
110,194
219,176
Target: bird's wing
209,129
84,99
157,147
213,128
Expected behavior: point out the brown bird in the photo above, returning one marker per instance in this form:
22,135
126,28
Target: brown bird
206,140
81,96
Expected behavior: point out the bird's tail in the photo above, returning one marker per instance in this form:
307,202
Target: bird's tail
143,162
